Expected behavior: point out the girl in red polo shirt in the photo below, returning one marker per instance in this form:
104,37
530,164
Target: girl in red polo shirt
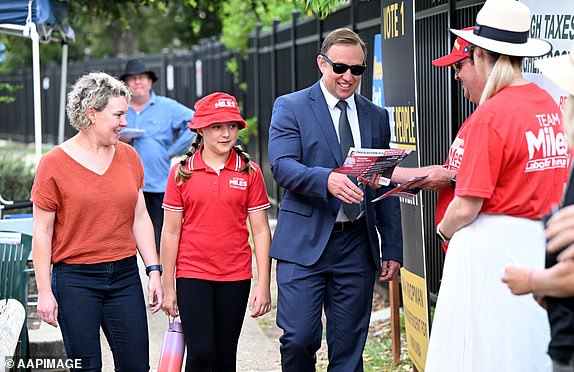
205,239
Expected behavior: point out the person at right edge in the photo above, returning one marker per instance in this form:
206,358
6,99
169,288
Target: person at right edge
554,286
326,242
512,173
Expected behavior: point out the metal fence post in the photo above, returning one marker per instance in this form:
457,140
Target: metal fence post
293,35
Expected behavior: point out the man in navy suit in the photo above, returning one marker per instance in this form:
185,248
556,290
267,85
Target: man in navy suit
326,258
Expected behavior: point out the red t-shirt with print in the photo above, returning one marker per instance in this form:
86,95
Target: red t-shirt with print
214,242
516,155
455,155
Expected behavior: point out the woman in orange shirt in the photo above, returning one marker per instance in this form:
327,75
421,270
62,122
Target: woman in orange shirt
89,220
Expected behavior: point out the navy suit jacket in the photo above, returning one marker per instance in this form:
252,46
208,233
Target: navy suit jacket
303,150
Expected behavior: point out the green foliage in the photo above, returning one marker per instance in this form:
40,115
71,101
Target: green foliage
245,135
232,66
16,175
323,8
108,28
378,356
6,92
240,17
105,28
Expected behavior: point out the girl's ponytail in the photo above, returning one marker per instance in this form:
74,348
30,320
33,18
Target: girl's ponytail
183,174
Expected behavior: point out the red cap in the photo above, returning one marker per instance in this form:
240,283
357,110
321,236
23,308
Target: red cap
458,53
216,108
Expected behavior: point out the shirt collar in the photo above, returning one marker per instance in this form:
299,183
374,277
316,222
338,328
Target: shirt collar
332,100
152,98
233,163
151,101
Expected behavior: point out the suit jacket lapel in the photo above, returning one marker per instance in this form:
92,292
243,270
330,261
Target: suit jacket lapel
321,110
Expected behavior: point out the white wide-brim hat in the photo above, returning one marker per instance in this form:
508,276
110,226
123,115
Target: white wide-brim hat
560,70
502,26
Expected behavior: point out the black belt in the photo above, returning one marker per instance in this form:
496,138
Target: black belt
342,226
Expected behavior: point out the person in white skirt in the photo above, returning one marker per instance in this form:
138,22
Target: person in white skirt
512,172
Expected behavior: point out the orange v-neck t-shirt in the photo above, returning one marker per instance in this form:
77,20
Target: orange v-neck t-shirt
94,213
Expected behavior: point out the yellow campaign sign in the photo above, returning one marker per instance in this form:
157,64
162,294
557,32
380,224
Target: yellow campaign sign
416,316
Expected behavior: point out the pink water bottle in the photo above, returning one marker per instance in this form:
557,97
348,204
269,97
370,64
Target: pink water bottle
171,357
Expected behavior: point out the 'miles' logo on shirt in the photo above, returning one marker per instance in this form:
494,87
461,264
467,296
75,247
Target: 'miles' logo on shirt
238,183
455,153
548,149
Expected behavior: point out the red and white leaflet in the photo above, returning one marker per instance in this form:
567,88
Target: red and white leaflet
403,190
366,162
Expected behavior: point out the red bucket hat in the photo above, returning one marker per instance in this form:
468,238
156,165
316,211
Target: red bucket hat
458,53
216,108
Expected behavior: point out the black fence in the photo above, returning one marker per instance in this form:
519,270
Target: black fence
279,61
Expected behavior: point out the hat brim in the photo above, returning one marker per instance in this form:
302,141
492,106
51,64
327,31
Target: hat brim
448,60
532,48
194,125
559,70
149,73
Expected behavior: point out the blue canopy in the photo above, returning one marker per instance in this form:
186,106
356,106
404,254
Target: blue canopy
47,15
36,20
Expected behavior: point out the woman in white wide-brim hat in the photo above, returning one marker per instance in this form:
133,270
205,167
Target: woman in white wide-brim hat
556,283
512,172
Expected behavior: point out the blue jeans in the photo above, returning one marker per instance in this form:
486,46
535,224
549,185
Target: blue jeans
107,295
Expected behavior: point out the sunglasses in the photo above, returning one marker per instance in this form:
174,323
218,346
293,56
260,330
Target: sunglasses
458,65
341,68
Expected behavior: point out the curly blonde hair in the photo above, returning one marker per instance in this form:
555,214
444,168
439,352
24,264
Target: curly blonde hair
92,90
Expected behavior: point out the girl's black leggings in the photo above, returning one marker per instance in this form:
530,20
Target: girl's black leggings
211,316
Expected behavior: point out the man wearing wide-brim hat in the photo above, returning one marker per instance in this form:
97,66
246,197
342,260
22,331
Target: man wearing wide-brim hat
136,66
157,128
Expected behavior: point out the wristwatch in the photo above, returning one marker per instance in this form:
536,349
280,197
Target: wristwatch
441,236
151,268
453,181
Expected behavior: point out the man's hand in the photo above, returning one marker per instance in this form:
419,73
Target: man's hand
372,182
341,187
388,270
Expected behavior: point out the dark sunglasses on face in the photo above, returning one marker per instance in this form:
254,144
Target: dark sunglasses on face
458,65
341,68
